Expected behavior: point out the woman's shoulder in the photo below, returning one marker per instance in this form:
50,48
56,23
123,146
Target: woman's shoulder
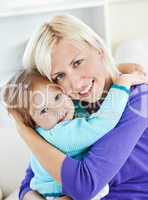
139,90
138,102
139,93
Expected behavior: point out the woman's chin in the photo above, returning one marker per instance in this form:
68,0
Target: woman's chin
95,96
92,98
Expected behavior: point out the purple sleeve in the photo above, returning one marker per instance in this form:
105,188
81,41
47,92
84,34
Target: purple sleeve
25,185
83,179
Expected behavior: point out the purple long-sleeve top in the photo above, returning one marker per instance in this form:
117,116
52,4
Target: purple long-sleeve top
120,158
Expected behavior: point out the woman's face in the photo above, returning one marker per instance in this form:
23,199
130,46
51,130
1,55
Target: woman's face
79,71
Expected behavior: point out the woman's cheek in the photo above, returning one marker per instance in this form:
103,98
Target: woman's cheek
97,90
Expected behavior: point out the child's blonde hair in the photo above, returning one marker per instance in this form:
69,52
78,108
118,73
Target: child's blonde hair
16,93
38,51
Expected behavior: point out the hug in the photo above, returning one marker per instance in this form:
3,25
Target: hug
86,121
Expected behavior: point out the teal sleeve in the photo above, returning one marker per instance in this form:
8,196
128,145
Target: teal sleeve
80,133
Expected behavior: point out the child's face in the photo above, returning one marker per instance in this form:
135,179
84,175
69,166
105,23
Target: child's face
49,105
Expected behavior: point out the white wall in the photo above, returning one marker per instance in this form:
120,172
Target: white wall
128,20
16,30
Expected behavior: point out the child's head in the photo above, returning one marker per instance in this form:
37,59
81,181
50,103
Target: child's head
40,102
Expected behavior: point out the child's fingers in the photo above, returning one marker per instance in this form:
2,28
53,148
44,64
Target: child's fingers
139,78
142,79
140,73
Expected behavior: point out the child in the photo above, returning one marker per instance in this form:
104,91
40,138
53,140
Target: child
45,107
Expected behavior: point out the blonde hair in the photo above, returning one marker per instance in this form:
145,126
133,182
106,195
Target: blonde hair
38,50
16,93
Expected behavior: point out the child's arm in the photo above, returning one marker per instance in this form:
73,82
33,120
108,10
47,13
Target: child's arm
74,136
80,133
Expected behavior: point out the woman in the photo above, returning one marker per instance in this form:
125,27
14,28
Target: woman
69,53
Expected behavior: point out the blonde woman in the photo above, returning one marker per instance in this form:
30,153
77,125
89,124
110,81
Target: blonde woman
72,55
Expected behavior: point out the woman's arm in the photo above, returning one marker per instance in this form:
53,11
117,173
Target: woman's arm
84,179
38,146
25,184
104,159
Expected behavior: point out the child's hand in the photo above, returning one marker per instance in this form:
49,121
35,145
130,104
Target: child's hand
128,68
134,78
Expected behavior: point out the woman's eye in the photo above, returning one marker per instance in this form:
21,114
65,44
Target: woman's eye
77,62
59,77
45,110
58,97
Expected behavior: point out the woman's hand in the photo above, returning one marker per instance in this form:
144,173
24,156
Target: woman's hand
31,195
35,196
20,124
64,198
18,119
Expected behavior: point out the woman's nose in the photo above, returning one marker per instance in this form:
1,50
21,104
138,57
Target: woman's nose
74,86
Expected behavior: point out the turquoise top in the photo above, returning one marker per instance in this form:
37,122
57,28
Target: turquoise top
74,137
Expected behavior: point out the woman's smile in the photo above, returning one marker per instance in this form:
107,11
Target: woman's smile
87,90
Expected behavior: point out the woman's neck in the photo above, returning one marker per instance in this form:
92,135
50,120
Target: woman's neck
108,84
93,107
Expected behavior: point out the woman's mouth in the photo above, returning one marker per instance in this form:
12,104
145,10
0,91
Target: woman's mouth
87,91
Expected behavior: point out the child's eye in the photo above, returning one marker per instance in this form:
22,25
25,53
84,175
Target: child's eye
44,111
58,96
77,62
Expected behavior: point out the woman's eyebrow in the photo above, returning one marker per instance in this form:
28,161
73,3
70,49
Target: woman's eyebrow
74,58
56,73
